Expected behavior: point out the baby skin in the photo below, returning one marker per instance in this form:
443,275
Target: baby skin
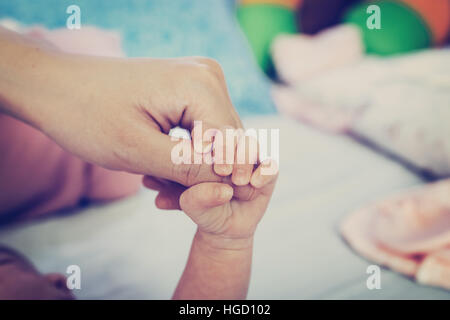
226,215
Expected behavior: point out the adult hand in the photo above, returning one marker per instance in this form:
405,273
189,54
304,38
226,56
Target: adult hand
115,112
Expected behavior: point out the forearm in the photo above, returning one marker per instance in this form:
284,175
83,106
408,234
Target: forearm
23,82
215,273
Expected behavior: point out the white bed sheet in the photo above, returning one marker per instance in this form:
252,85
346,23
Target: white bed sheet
131,250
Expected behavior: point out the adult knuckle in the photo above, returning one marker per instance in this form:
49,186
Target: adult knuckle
211,68
187,174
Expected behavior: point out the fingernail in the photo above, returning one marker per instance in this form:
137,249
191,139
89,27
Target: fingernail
257,181
224,169
226,192
240,177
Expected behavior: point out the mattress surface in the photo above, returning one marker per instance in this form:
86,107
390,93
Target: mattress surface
131,250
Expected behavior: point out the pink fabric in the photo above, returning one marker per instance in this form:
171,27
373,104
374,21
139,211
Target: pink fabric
300,58
409,233
87,40
321,116
36,175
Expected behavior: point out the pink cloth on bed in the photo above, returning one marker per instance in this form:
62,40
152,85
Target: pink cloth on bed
36,175
409,233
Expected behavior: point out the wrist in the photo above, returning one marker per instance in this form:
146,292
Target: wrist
220,243
216,269
222,251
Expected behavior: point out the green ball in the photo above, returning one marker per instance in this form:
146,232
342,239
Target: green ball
261,23
402,29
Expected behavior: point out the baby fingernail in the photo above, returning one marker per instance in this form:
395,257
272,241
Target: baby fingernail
240,177
223,169
257,181
226,193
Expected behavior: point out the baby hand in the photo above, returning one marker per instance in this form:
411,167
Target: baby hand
226,214
226,211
